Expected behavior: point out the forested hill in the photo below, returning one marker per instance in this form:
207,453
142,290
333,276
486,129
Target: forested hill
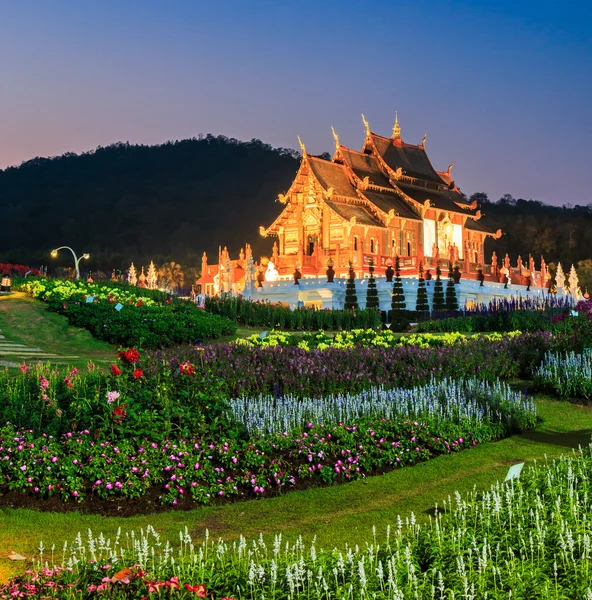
136,203
129,202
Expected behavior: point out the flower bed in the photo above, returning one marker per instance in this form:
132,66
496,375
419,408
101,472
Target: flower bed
517,540
467,401
145,318
247,371
365,338
19,270
567,375
336,440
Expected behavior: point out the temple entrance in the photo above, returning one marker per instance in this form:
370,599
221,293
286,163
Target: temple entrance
312,242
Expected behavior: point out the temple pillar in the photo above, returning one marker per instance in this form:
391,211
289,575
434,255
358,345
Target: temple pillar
282,240
361,255
338,255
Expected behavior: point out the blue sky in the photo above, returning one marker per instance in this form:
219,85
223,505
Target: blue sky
503,88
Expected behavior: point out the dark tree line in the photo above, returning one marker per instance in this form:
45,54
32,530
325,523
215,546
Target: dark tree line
168,202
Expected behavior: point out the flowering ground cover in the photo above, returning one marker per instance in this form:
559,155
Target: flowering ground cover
279,370
567,375
146,318
528,538
341,439
363,338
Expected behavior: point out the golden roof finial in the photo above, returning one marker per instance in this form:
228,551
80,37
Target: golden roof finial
425,137
396,129
366,124
302,146
449,170
335,137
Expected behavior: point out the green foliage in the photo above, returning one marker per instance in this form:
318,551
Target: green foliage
399,315
144,203
512,320
141,321
451,298
422,306
264,314
372,291
438,300
351,298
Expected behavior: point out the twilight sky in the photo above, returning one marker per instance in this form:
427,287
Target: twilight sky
503,88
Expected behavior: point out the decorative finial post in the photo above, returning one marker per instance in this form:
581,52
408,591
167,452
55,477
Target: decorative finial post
366,125
396,129
425,138
336,138
302,146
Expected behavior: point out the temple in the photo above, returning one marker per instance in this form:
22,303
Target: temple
373,204
364,208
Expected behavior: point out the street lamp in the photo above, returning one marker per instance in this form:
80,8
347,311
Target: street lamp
77,260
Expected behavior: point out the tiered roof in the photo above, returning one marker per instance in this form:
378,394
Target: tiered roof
387,178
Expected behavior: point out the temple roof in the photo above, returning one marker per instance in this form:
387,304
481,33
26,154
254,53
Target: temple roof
390,201
332,175
347,211
364,165
412,159
443,199
477,226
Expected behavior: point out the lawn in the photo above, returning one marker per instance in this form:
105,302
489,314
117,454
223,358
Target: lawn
336,515
26,321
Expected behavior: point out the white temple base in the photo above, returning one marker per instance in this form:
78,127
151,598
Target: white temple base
321,294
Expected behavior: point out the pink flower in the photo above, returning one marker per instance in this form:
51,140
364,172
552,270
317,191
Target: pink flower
23,368
112,396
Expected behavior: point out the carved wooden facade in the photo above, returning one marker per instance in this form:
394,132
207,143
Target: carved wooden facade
383,201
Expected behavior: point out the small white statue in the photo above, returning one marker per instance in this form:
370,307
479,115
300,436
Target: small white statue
271,273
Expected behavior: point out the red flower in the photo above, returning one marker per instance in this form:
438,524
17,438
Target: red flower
130,356
119,413
172,583
137,373
200,590
187,369
139,303
154,585
115,370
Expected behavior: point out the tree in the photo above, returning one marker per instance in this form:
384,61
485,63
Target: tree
171,275
422,306
480,197
399,315
351,298
451,299
438,301
371,292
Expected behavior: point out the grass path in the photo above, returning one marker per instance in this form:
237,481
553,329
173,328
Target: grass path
336,515
32,332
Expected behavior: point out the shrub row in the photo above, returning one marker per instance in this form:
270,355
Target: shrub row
263,314
143,318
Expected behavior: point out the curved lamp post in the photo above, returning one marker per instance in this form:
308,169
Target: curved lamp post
77,260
